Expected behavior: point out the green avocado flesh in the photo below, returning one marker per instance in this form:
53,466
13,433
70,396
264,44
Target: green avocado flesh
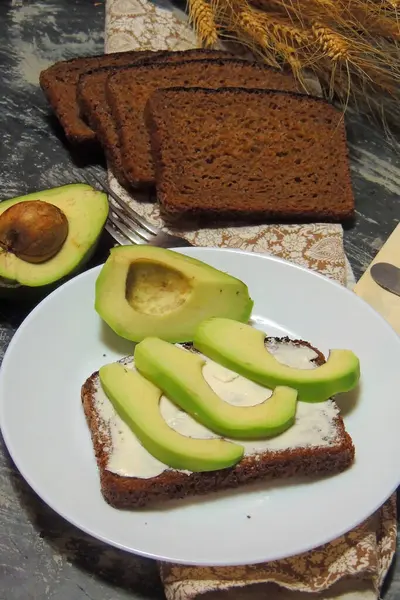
86,211
241,348
178,373
136,400
144,290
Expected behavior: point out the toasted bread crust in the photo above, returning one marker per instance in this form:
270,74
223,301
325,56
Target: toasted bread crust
134,492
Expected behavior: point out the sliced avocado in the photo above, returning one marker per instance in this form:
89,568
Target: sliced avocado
242,348
136,400
178,373
144,290
86,211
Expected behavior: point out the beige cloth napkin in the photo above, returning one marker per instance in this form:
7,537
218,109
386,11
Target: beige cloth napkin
353,566
385,303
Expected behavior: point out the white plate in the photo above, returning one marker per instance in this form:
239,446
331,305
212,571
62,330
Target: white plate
63,340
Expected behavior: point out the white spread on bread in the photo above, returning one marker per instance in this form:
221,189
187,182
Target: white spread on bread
314,425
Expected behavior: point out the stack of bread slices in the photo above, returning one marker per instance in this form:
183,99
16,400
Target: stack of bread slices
219,137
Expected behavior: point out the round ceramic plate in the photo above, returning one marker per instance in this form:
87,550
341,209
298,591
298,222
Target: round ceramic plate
63,341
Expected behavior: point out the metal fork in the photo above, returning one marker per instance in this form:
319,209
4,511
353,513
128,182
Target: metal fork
126,226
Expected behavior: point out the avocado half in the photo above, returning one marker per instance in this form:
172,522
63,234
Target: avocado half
146,291
86,211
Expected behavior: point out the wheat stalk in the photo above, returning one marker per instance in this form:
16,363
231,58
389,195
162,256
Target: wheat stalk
374,21
201,15
333,45
252,27
270,30
351,45
283,30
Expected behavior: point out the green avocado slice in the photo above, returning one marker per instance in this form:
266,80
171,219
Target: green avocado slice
144,291
136,400
178,373
241,348
86,210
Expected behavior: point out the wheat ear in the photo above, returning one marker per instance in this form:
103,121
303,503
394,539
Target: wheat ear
331,43
201,15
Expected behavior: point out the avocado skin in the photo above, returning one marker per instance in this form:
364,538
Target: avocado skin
241,348
178,373
136,401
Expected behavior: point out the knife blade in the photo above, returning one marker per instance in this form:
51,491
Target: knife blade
387,276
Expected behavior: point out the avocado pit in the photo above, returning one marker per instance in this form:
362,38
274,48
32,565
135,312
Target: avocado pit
34,231
156,289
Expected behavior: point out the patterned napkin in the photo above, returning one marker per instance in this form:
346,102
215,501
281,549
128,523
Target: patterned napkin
353,566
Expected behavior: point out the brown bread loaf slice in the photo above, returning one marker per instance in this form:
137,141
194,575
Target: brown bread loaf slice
59,84
92,100
128,92
327,452
251,154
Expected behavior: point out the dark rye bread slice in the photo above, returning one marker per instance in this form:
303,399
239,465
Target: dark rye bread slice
133,492
129,91
92,99
59,84
252,154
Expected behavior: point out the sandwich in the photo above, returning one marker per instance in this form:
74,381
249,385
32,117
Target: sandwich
234,407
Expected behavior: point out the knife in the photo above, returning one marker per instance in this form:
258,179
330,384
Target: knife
387,276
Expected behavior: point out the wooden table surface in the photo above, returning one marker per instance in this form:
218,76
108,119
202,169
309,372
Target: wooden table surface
41,555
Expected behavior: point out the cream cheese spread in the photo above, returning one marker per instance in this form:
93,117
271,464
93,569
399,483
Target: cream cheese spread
314,424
